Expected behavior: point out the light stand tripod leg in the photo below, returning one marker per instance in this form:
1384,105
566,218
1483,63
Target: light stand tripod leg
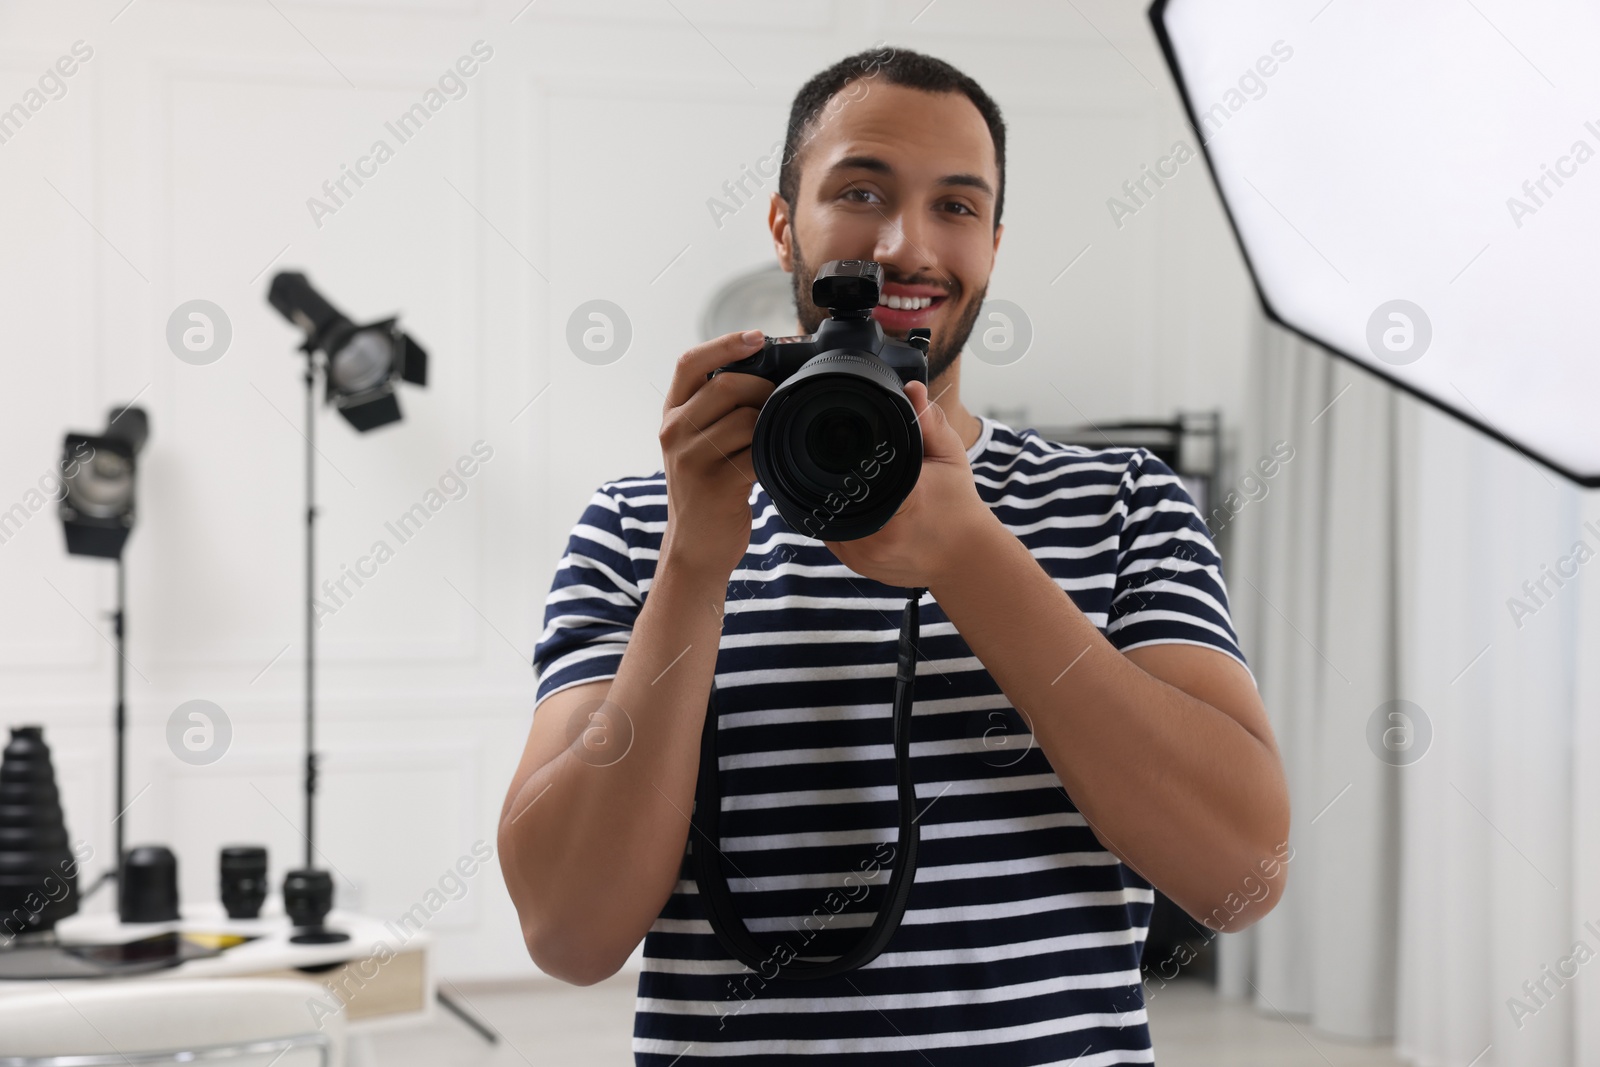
105,876
481,1028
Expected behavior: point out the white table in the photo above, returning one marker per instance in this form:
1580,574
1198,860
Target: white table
375,992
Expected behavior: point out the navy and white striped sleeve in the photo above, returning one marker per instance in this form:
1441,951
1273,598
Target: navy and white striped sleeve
1169,587
593,602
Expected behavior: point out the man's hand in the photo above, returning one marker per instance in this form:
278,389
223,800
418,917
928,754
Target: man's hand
706,430
921,543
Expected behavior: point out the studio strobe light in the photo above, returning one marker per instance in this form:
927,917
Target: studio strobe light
99,475
364,363
362,366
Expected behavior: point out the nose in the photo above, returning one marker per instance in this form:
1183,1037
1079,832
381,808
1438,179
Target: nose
904,247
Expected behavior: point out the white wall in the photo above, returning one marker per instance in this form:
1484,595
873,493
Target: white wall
578,164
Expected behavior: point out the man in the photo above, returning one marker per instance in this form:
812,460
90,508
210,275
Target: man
1085,726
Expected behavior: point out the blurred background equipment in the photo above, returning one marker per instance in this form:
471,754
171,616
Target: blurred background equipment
1476,297
243,880
99,478
147,892
758,299
361,365
97,474
38,871
307,899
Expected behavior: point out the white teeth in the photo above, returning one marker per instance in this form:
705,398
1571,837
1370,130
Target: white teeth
904,303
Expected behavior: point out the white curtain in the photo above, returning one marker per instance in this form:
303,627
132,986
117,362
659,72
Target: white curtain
1378,565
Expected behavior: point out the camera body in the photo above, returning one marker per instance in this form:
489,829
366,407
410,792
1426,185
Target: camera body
837,444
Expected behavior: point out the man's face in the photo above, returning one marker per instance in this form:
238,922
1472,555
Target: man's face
907,178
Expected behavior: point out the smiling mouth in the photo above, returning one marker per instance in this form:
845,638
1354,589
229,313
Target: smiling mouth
906,303
897,312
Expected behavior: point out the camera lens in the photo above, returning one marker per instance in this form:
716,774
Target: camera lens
838,439
243,870
838,447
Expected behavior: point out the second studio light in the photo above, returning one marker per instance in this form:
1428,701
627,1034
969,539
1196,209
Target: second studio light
364,363
97,478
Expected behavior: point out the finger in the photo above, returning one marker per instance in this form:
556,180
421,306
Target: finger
723,394
917,393
689,374
725,457
733,434
724,439
939,438
930,416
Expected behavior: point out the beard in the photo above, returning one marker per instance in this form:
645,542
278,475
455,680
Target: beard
947,344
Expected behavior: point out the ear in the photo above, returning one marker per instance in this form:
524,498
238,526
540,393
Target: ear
999,229
782,238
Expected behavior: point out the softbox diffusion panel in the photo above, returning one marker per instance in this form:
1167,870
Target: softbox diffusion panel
1416,186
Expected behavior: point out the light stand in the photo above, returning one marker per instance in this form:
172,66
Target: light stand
119,624
97,514
361,366
308,892
119,629
311,629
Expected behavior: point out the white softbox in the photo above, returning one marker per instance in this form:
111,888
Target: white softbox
1416,186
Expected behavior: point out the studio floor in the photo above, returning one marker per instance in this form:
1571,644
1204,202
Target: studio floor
552,1023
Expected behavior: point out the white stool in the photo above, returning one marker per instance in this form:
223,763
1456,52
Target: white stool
243,1021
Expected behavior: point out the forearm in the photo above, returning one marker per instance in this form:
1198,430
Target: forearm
1179,790
592,843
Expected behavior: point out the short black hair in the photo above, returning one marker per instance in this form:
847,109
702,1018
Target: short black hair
898,66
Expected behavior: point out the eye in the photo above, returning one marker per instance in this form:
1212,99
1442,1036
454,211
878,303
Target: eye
957,207
858,195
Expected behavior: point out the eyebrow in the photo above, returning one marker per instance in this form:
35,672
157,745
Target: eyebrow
879,166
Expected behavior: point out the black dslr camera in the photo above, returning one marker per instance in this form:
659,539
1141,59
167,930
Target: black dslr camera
837,444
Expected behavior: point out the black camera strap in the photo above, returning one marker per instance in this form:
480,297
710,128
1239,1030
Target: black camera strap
713,883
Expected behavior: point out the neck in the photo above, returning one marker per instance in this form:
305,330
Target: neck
945,390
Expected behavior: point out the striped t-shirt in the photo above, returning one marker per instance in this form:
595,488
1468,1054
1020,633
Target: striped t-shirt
1022,936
